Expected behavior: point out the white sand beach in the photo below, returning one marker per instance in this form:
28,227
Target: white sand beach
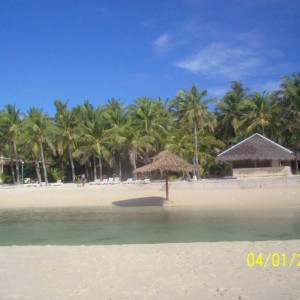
217,194
160,271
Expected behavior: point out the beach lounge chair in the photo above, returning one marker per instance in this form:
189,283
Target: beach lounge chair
97,181
111,180
32,184
27,180
138,181
116,180
57,183
146,181
128,181
104,181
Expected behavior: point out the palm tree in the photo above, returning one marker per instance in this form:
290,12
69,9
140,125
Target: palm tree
11,124
180,143
138,144
94,139
66,138
2,133
290,103
115,115
230,112
290,89
151,119
40,129
209,147
191,111
3,142
31,151
259,114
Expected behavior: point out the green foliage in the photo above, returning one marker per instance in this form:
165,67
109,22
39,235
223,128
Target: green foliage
5,178
175,177
56,173
119,137
230,113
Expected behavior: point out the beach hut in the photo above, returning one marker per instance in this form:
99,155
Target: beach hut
167,162
257,156
6,164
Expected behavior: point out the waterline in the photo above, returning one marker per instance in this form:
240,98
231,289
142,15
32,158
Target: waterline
144,225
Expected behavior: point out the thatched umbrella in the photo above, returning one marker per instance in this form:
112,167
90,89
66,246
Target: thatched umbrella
166,161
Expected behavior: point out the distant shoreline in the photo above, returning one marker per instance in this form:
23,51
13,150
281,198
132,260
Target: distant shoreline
207,193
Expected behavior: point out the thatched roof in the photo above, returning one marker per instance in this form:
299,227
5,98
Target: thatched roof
167,161
256,147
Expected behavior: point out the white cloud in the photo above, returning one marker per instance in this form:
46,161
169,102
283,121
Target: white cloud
222,59
162,43
217,91
268,86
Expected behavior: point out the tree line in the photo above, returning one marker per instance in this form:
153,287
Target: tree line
115,137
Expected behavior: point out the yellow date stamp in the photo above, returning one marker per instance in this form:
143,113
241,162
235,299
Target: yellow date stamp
273,260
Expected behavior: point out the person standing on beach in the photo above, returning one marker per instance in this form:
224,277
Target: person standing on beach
83,180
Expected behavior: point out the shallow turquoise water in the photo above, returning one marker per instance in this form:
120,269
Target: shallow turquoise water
144,225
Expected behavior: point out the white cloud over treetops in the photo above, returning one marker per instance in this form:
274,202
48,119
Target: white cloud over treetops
222,59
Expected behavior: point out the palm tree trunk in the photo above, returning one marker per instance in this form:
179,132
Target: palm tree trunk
188,177
196,147
296,154
147,160
167,185
12,171
17,163
1,163
94,166
134,168
87,171
100,167
37,169
43,162
71,162
120,167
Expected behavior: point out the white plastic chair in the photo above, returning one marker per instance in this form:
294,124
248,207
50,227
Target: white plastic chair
97,181
32,185
128,181
58,183
110,180
116,180
104,181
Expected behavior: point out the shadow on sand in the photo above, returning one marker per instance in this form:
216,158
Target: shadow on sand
144,201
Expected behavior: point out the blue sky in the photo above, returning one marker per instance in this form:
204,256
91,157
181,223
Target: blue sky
96,50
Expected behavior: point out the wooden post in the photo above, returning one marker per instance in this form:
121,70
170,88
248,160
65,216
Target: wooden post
167,186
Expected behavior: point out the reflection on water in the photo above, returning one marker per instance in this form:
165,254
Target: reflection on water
144,225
